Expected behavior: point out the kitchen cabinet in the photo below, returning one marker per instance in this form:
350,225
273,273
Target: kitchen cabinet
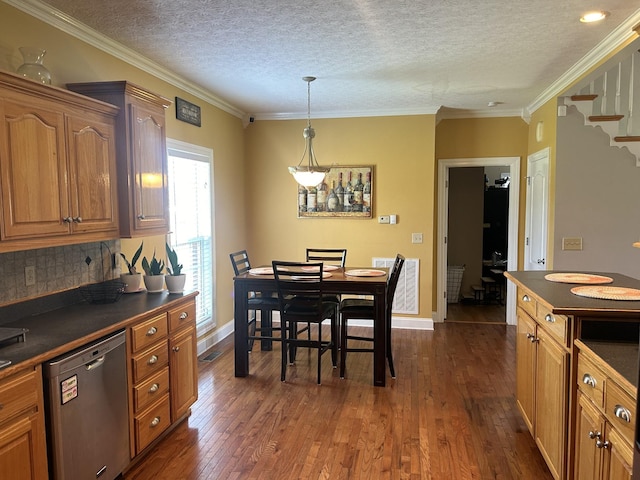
163,376
57,165
542,379
141,155
604,430
23,450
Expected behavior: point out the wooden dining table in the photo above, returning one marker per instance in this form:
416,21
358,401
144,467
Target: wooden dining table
337,284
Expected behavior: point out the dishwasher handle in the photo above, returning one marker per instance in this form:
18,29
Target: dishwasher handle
95,363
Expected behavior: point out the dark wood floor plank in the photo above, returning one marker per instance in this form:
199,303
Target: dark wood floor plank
449,415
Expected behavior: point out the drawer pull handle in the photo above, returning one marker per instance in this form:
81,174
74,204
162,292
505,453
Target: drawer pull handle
601,444
594,435
155,422
153,359
550,318
184,316
525,298
154,388
152,331
622,413
589,380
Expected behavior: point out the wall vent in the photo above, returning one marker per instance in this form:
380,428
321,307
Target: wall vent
406,298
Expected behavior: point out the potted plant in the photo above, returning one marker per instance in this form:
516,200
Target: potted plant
132,278
153,278
176,279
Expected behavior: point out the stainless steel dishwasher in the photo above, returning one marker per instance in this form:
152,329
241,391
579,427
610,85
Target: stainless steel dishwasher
87,411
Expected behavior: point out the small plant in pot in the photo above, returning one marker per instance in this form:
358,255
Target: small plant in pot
153,278
132,278
176,279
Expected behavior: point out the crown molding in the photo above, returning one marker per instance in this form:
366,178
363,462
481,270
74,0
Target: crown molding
617,37
79,30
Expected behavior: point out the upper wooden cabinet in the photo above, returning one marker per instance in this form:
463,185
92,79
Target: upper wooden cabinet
143,192
57,166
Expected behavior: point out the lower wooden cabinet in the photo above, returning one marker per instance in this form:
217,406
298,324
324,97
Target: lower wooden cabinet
23,450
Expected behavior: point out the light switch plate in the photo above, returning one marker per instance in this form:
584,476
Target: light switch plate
383,219
416,238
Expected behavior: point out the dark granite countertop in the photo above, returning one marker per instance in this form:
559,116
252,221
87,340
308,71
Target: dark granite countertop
559,298
621,357
66,327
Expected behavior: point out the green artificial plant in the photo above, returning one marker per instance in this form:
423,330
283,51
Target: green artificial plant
132,266
172,256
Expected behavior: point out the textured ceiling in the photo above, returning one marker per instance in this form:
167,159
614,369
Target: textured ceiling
371,57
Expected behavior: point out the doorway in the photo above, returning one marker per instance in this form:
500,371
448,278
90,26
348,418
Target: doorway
444,171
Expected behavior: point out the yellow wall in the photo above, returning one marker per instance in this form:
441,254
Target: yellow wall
401,150
71,60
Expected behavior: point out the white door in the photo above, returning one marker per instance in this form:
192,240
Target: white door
537,211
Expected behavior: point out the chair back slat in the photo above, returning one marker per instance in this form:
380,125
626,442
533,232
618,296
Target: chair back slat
240,262
334,256
392,282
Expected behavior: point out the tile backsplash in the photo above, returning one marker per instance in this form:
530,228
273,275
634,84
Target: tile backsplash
57,269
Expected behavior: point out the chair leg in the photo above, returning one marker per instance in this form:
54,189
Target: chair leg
389,351
266,330
335,342
283,356
319,353
252,331
343,345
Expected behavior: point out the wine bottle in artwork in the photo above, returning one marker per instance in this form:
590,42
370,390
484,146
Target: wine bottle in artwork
340,193
348,196
302,199
312,205
333,204
357,194
321,196
366,194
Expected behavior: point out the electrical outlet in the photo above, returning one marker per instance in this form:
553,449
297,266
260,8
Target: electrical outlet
30,275
571,243
416,238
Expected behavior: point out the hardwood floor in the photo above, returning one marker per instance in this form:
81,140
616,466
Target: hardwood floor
459,312
450,414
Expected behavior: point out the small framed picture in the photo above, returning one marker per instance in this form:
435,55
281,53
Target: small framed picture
187,112
345,192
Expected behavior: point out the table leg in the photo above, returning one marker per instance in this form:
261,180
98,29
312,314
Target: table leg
240,330
379,340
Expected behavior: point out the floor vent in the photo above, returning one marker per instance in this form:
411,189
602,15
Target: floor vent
211,357
406,298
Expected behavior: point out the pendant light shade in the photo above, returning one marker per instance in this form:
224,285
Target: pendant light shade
309,174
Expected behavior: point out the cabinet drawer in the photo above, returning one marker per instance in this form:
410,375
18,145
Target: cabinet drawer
591,380
527,302
556,325
620,410
150,390
19,393
183,315
150,424
150,361
148,332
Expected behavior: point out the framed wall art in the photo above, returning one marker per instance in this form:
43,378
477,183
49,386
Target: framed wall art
188,112
346,192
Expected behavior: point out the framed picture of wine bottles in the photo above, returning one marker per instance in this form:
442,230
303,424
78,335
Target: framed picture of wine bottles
345,192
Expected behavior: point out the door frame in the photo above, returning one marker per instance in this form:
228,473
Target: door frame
444,165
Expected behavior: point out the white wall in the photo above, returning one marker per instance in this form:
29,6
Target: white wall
597,198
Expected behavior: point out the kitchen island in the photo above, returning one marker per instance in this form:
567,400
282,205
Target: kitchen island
577,368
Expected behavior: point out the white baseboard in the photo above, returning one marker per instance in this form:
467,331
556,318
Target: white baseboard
214,337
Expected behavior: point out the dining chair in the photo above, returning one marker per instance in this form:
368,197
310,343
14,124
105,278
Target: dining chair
360,308
329,256
264,302
301,299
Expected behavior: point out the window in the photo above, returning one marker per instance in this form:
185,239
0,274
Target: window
190,208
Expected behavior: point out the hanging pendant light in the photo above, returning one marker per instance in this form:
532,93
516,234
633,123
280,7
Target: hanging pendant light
311,174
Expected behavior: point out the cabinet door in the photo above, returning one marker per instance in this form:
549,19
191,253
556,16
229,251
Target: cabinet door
92,171
23,450
589,429
183,370
525,367
33,170
552,397
620,457
149,169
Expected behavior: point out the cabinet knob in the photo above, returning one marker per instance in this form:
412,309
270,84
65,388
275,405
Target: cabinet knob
141,217
66,219
622,413
587,379
533,339
154,388
77,219
601,444
525,298
155,422
176,349
594,435
153,359
152,331
184,316
550,318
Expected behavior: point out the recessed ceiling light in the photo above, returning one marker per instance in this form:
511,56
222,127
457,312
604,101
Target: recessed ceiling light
594,16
